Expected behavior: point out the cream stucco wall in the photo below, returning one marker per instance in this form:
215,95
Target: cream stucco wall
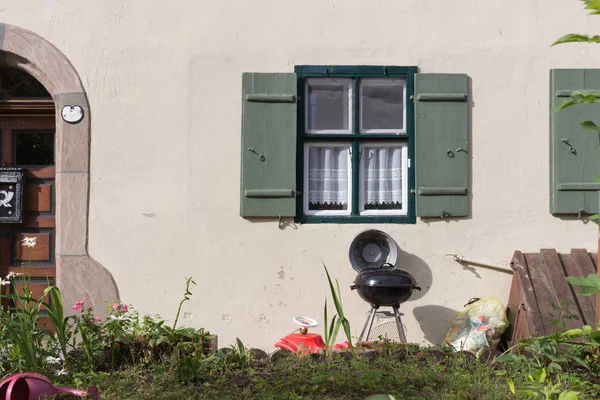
164,83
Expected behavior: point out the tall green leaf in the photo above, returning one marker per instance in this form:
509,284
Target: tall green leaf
337,301
575,38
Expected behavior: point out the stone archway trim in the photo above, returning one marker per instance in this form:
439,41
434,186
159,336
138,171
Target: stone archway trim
77,274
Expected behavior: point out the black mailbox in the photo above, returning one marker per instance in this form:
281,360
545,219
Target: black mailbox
11,195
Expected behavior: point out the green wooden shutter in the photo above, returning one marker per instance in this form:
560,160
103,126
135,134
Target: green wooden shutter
268,176
574,153
441,145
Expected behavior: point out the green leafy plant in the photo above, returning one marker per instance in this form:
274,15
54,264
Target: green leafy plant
339,319
540,386
62,325
83,342
590,285
560,313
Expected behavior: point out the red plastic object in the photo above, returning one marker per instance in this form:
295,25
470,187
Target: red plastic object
342,346
32,386
308,343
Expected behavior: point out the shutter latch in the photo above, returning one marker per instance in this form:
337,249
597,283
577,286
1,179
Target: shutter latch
261,156
571,148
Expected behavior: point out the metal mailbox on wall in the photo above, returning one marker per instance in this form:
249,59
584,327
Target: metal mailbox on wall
11,195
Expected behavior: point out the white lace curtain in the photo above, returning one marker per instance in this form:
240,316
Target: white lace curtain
382,174
328,176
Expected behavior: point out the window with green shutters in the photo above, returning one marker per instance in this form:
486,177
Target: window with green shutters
354,144
574,152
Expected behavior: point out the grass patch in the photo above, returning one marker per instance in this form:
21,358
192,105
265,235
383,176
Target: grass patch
405,373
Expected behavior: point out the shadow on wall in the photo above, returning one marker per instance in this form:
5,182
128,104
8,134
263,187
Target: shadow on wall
419,269
434,321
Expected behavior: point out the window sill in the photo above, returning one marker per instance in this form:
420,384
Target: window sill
359,219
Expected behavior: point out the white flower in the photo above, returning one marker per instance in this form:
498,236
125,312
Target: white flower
29,242
119,318
13,274
4,282
53,360
60,372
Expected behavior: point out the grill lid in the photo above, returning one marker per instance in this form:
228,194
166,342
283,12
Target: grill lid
385,277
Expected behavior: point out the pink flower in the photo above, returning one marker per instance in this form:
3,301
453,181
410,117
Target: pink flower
95,320
79,305
120,307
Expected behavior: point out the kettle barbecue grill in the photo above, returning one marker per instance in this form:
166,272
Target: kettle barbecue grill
386,286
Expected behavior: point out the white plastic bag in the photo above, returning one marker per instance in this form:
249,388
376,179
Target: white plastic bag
478,326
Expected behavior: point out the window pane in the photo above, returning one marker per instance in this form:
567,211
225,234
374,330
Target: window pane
17,83
382,105
328,105
34,148
328,174
382,177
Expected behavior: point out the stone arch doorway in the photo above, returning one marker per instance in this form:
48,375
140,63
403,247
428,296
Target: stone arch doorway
77,274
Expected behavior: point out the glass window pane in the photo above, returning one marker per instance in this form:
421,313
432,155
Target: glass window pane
328,105
382,177
34,148
327,177
382,105
17,83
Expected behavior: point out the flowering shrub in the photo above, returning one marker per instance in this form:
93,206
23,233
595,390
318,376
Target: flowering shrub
84,342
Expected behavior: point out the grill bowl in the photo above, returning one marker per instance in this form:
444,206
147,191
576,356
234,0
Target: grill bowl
385,286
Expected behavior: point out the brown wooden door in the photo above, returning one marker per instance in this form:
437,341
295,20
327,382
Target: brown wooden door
27,141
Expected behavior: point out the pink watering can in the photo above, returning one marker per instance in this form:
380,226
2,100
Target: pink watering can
32,386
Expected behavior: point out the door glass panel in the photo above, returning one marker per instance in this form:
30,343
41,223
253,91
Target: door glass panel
382,106
328,105
34,148
17,83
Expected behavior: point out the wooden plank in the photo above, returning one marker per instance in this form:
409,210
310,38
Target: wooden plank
38,221
41,272
529,300
542,289
6,145
515,298
38,197
560,290
6,249
41,251
521,330
40,173
578,263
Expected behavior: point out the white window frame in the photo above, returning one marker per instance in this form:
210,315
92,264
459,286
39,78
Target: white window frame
360,117
361,181
305,190
350,107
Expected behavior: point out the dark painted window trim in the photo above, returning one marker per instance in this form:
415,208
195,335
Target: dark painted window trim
356,71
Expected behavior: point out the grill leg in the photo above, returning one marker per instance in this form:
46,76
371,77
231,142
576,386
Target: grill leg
401,334
368,324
